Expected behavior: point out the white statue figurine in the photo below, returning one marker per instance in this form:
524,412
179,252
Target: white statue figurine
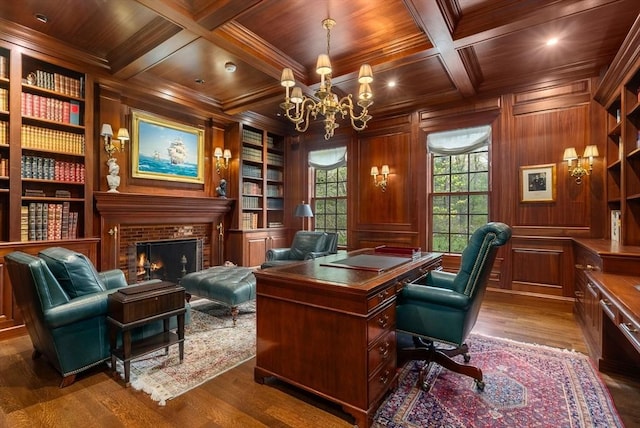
113,180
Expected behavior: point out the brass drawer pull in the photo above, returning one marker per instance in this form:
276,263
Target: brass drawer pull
606,302
630,328
384,377
384,350
383,321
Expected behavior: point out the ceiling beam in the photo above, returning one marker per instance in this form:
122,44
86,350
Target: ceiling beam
438,25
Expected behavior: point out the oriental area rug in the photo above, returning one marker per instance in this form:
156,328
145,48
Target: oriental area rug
212,346
526,386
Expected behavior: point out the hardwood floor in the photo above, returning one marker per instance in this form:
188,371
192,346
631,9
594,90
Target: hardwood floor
30,397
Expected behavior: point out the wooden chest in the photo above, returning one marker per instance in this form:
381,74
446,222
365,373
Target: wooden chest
139,302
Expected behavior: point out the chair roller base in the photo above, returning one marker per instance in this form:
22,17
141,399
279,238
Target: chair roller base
423,350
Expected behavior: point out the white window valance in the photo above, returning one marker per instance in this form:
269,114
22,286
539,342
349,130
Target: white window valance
328,158
459,141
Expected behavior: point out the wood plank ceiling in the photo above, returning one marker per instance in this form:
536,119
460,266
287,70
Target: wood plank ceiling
437,51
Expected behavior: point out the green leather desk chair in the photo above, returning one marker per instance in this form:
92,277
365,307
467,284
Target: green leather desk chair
306,245
444,306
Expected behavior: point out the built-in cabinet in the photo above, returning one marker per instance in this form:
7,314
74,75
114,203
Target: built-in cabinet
45,163
623,161
259,221
45,189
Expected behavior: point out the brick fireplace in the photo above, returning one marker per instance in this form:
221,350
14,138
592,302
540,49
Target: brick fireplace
126,219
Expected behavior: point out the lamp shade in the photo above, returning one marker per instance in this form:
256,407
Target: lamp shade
287,79
385,169
374,171
365,75
227,154
591,151
570,153
323,66
296,95
303,210
217,152
123,134
106,130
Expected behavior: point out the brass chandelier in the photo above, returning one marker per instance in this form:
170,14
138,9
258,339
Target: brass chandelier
298,107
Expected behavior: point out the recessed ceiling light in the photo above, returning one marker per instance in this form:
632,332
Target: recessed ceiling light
41,17
230,67
200,81
391,83
552,41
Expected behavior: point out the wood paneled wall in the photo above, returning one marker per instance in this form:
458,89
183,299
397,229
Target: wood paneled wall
529,128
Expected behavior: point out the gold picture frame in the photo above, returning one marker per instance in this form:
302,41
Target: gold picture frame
538,183
162,149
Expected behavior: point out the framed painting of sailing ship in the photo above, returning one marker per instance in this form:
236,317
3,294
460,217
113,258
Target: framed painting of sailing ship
166,150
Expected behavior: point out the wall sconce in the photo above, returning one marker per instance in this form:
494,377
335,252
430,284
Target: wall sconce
107,133
385,174
578,171
219,155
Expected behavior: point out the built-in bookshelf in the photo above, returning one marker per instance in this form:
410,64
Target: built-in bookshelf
259,224
48,196
261,179
623,161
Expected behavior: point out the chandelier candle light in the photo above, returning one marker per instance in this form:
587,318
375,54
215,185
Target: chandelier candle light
299,107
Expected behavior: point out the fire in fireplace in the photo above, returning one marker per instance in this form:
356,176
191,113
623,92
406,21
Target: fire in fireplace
168,260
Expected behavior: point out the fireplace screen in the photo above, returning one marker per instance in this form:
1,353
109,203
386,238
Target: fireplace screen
167,260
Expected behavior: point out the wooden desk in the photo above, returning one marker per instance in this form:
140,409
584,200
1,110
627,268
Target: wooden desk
618,304
331,330
134,306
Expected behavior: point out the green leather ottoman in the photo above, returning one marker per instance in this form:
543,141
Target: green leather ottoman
229,285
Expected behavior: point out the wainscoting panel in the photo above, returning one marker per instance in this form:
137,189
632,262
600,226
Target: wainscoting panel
545,268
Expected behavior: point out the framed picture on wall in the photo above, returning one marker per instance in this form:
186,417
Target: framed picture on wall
538,183
166,150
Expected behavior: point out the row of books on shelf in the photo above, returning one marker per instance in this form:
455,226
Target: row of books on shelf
56,82
616,220
4,132
35,137
4,167
51,109
4,67
275,190
4,99
251,189
252,137
276,204
250,202
251,154
42,168
275,224
275,174
275,159
41,221
249,220
251,171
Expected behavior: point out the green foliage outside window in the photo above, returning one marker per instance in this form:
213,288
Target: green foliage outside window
459,199
330,202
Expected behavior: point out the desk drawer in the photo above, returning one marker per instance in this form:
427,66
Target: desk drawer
383,350
381,322
380,381
631,330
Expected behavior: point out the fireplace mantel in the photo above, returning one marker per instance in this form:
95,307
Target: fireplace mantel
118,210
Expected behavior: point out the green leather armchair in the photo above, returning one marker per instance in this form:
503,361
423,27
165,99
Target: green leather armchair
444,307
63,301
306,245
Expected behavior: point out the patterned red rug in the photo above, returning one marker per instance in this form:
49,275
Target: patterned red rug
526,386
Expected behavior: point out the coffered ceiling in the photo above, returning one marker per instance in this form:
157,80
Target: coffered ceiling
436,51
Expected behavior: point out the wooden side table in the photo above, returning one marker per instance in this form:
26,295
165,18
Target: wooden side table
137,305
